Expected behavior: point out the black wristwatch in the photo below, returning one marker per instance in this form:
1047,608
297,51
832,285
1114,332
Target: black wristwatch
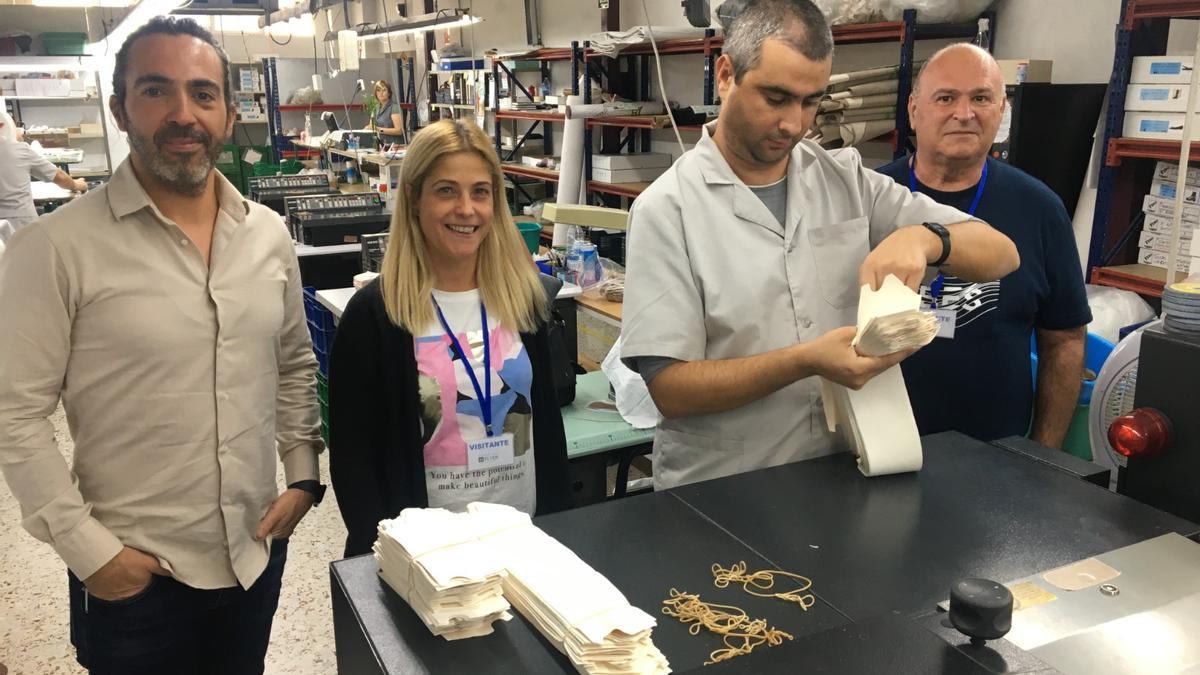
944,235
312,487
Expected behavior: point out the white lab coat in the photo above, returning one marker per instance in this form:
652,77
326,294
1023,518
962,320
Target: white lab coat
711,274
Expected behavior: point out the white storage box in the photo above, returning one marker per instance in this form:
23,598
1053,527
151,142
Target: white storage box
627,175
1191,194
1161,70
1183,263
1156,97
646,160
27,87
1156,224
1168,172
1162,242
1166,208
1163,126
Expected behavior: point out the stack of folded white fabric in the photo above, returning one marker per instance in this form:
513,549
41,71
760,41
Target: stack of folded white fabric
437,562
571,604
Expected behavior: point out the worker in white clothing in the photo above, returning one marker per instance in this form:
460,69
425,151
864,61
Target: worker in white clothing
745,261
18,163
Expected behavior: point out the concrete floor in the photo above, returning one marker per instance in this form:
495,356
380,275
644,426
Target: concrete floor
33,593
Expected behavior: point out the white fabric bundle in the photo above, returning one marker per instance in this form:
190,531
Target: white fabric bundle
866,89
853,133
435,561
859,115
856,102
572,605
877,420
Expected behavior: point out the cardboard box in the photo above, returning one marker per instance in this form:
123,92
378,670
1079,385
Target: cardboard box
1191,194
627,175
1166,208
1162,242
1162,126
1161,70
1156,97
1017,71
645,160
1168,172
1184,263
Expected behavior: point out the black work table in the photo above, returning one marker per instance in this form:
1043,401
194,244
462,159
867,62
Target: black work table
881,553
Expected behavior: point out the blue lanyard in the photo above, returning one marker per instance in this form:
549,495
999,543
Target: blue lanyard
484,395
935,287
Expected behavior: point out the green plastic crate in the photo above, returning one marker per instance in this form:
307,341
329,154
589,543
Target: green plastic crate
64,44
323,400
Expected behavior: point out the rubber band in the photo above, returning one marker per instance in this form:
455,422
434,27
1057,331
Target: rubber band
731,623
764,580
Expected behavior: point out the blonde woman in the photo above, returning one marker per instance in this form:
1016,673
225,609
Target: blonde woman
387,117
440,385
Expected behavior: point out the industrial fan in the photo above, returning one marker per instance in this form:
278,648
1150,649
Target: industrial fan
1112,397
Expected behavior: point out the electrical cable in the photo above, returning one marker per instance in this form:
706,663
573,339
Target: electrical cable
661,87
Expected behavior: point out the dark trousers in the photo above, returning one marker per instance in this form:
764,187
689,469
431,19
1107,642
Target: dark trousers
170,627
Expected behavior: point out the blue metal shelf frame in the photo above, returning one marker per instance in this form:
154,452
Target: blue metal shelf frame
274,119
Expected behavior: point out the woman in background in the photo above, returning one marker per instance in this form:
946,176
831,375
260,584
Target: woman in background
441,391
387,118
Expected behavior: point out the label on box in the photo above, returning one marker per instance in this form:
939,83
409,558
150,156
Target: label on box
1155,126
1154,94
1166,68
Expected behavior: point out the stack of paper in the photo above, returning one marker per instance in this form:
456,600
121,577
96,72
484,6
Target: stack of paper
890,320
436,561
877,420
571,604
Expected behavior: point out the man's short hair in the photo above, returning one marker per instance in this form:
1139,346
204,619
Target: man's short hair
798,23
168,25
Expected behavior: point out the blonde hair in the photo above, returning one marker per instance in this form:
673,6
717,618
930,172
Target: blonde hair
508,281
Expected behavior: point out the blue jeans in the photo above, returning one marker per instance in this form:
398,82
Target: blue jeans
170,627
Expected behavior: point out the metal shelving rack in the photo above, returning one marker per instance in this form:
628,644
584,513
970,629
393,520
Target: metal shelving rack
1138,33
905,32
280,143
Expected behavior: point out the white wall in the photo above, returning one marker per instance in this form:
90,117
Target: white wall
1078,35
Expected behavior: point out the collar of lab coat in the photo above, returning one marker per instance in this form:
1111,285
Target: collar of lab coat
746,204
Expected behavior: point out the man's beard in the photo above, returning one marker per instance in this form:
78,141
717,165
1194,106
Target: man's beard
180,173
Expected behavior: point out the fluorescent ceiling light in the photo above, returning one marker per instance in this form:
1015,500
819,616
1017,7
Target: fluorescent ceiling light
451,18
137,17
83,3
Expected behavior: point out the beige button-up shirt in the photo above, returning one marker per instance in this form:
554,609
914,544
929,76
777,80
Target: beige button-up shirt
713,275
180,382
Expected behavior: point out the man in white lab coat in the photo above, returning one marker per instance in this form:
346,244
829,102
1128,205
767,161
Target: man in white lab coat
745,261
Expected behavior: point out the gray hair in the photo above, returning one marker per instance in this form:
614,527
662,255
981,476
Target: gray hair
798,23
8,128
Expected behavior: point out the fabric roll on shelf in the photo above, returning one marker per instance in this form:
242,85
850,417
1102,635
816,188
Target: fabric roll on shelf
859,115
866,89
857,102
853,133
570,176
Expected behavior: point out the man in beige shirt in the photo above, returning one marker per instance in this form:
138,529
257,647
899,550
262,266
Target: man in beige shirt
166,312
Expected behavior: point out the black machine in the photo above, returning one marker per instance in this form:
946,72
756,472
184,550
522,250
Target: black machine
373,248
326,220
365,139
1162,434
270,191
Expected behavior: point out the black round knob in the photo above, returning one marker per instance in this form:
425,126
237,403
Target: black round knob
981,609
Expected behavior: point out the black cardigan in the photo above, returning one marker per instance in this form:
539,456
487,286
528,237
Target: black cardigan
376,455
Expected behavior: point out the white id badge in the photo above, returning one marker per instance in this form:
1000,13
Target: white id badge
946,321
490,452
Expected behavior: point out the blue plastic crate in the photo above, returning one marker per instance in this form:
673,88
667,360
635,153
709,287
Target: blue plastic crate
321,328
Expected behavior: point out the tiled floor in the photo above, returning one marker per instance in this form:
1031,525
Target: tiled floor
33,593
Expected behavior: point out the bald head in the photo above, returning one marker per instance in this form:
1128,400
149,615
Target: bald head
963,56
956,107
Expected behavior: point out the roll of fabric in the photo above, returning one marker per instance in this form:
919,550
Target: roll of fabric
857,102
867,89
853,133
860,115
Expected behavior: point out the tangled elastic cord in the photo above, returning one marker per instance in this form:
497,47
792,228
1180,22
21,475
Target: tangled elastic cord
740,633
764,580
